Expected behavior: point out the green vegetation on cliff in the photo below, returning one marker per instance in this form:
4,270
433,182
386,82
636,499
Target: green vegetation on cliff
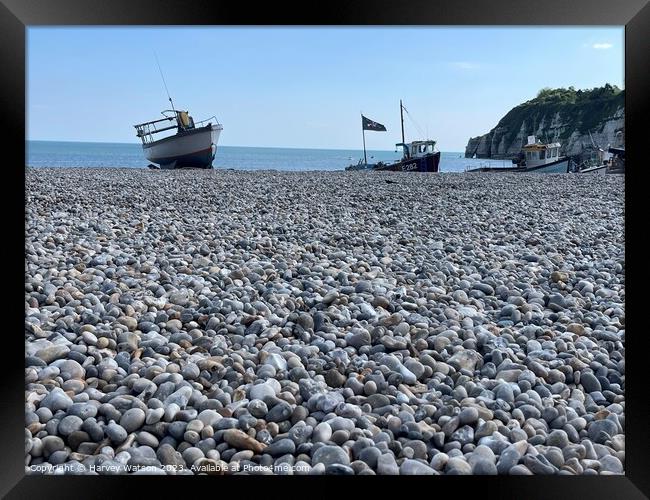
581,110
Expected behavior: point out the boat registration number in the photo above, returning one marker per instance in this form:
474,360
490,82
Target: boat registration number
410,166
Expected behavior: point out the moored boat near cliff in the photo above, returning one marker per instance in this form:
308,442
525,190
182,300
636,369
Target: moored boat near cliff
535,157
575,118
543,158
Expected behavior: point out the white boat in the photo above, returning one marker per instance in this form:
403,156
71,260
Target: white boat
543,158
187,144
535,157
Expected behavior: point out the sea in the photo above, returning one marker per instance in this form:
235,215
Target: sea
110,155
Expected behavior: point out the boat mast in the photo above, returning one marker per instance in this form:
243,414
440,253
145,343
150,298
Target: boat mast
164,83
401,114
363,133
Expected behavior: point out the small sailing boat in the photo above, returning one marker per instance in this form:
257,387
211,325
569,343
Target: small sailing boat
185,144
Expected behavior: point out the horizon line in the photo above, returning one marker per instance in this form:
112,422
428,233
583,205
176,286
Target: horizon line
229,146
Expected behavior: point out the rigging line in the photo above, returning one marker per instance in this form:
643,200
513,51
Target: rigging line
414,122
163,79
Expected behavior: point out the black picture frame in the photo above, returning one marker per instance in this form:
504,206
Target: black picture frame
17,15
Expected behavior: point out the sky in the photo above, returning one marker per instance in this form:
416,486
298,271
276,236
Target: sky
305,87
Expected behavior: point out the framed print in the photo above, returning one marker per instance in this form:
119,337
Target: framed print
361,240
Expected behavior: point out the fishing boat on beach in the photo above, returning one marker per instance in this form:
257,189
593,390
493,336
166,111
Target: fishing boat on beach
191,144
417,156
603,161
543,158
614,163
176,141
535,157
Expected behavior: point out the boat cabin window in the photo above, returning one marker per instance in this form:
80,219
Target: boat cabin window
542,154
422,148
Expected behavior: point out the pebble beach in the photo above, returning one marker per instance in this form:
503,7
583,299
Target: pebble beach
310,323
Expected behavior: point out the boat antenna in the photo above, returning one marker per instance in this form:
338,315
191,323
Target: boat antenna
163,79
401,114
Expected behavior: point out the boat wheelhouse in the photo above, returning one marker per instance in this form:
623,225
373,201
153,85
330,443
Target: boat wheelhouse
417,156
417,149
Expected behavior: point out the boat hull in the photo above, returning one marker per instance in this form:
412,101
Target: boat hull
195,148
560,166
557,167
426,163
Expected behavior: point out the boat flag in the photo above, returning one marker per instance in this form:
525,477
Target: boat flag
368,124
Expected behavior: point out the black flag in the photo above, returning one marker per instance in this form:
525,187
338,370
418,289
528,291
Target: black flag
367,124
